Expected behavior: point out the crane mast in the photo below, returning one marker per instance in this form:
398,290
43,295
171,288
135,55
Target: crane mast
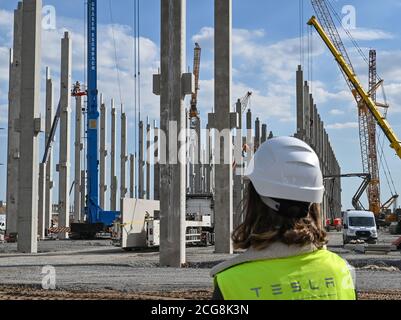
92,200
367,127
193,113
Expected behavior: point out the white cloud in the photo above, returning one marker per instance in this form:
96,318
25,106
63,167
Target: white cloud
365,34
336,112
346,125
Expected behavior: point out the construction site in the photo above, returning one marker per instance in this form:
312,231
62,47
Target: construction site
126,129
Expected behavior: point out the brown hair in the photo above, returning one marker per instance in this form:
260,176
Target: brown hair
263,226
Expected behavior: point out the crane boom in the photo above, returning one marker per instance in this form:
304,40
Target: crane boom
358,90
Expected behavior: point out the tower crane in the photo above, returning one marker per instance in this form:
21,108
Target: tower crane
367,105
193,112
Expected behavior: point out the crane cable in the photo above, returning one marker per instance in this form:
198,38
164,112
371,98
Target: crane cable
115,55
383,160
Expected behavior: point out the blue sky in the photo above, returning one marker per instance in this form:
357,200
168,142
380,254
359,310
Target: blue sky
265,58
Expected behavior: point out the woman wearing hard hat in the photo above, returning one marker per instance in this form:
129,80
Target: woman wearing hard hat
286,256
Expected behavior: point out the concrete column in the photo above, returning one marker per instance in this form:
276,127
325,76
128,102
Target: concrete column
41,201
172,115
156,170
264,133
238,173
13,142
29,125
141,178
249,134
197,164
132,161
311,126
321,137
300,104
208,167
223,167
83,193
306,113
314,124
148,156
123,157
77,155
64,156
49,164
257,134
103,155
113,178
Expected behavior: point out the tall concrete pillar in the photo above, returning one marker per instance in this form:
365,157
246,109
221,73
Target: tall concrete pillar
311,126
238,173
41,201
315,126
103,155
77,156
132,161
83,193
306,112
197,162
222,122
13,142
64,156
29,125
148,156
123,157
141,178
208,167
172,116
113,177
257,134
49,164
249,134
156,170
264,133
301,132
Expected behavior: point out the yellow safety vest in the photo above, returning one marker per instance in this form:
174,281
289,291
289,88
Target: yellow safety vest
319,275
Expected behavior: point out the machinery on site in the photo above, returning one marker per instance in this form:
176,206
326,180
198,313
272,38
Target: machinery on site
334,220
139,224
368,107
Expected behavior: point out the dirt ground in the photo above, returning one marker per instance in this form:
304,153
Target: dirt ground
31,293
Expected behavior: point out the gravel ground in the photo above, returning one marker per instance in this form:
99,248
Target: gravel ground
82,267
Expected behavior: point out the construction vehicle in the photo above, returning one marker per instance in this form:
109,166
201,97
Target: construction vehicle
359,225
333,222
365,99
139,225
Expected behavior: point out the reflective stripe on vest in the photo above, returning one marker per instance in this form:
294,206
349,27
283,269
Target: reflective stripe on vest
320,275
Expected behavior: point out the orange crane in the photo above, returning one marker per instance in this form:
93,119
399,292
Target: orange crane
193,112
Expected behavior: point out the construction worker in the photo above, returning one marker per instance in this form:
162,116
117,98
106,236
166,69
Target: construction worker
286,256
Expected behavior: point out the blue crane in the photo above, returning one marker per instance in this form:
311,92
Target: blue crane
96,218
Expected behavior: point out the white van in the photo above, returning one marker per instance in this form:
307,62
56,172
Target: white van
2,226
359,225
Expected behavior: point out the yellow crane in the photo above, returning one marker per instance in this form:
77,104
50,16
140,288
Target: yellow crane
362,96
395,143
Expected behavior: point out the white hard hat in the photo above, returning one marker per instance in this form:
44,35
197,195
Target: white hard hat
286,168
